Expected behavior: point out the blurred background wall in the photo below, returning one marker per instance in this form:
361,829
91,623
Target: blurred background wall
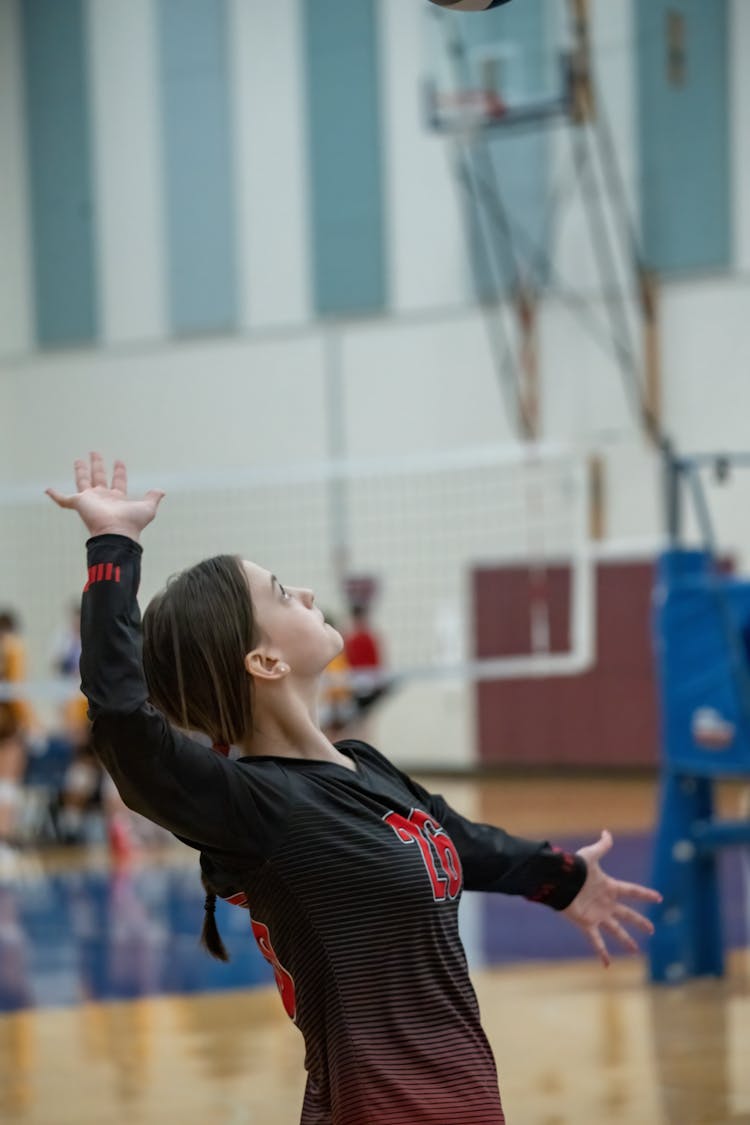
227,239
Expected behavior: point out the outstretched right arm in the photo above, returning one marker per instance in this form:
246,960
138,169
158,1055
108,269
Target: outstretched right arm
159,771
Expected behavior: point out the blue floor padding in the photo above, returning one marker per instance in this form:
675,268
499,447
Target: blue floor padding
83,935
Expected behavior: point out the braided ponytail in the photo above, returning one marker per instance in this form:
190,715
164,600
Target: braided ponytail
210,936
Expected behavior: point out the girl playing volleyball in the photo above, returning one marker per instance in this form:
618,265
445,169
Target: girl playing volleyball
351,871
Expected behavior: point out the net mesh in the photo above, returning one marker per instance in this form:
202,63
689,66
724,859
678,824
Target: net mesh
415,528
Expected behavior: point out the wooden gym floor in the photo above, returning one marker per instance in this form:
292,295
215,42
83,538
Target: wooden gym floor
574,1043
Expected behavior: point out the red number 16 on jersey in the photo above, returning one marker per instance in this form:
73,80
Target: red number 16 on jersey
438,850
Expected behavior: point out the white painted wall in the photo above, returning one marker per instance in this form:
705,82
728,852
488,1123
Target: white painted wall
181,407
270,162
426,255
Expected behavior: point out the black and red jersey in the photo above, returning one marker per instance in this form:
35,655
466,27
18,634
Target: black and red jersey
352,879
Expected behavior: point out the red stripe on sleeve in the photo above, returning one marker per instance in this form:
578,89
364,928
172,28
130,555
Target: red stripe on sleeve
99,572
117,574
108,572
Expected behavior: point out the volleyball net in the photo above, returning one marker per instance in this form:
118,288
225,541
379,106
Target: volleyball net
408,536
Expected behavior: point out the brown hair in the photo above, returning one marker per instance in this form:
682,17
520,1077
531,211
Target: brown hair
196,633
210,936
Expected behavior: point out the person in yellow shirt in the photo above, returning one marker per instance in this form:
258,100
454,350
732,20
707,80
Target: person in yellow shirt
16,722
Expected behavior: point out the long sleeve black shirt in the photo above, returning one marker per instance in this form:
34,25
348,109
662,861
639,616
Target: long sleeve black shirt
352,879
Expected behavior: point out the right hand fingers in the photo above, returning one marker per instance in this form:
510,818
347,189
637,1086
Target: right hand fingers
120,477
90,476
60,500
98,471
82,474
597,942
96,476
155,497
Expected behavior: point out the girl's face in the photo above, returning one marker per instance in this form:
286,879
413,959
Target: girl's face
294,630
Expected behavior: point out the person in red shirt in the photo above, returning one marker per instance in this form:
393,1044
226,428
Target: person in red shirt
363,653
362,647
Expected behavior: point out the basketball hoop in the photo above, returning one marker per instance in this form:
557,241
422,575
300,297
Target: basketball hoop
490,106
467,109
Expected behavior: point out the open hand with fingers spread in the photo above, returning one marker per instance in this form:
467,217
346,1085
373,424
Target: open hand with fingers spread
598,905
107,508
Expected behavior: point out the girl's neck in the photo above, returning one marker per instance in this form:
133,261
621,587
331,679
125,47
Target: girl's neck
288,728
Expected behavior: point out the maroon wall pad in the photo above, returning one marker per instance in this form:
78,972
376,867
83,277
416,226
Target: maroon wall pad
607,716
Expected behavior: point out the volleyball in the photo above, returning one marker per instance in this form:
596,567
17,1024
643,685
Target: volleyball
469,5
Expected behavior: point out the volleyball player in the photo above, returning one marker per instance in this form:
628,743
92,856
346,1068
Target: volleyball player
352,872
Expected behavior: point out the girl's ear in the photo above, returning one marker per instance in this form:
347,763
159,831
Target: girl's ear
262,666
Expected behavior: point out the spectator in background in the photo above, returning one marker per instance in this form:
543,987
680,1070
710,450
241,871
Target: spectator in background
17,724
363,652
66,649
88,803
81,787
65,659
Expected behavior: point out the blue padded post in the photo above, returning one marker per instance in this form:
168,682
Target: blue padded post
687,940
701,619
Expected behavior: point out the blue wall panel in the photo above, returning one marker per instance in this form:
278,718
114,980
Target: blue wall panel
684,137
199,203
60,181
345,156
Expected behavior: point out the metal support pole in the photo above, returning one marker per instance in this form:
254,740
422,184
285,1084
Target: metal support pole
597,501
672,498
582,102
649,292
526,314
338,495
